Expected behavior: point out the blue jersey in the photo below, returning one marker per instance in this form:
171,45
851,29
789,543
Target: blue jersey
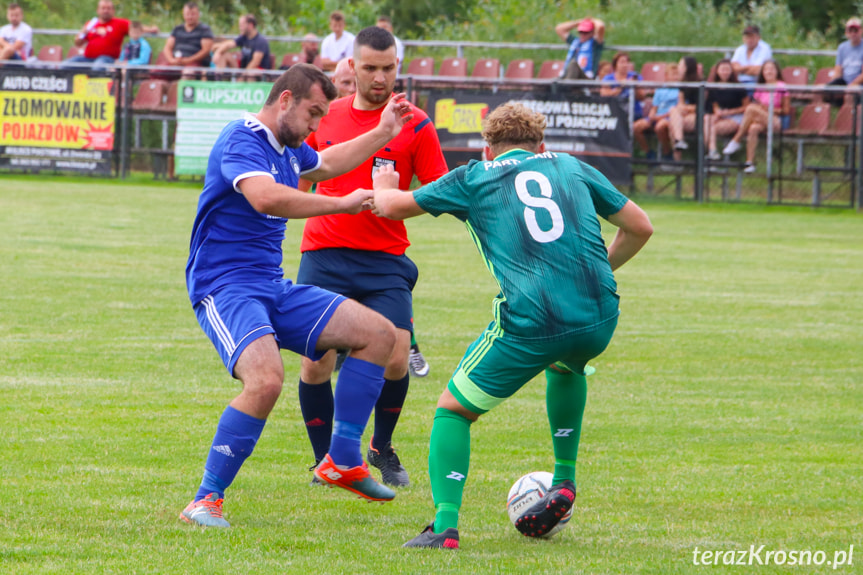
231,241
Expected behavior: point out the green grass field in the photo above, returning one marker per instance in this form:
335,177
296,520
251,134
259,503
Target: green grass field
726,413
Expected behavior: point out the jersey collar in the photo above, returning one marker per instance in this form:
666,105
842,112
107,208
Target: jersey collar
253,122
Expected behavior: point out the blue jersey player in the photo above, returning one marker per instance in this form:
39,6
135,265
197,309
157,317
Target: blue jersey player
246,306
533,216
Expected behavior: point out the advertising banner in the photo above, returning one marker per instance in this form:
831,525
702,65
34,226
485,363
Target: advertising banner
56,120
203,109
592,128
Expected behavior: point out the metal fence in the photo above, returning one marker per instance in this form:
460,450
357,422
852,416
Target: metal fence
815,165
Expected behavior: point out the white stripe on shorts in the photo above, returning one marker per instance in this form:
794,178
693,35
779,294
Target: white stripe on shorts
218,325
314,327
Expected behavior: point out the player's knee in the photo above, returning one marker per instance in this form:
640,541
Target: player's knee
267,391
382,341
315,372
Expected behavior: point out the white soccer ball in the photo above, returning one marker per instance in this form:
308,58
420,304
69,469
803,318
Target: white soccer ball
528,490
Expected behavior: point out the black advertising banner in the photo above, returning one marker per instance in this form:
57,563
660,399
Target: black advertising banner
56,120
592,128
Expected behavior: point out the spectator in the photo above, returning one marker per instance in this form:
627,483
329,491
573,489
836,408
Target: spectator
103,36
310,49
386,23
345,78
664,99
849,61
749,56
338,44
137,50
585,48
16,37
755,117
724,107
623,70
190,43
682,117
604,69
254,49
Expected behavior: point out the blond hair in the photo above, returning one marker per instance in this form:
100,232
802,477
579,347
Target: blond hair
513,125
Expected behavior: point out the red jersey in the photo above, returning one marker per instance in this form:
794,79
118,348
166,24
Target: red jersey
106,39
416,150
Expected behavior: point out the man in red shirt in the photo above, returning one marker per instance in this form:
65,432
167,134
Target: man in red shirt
362,256
103,36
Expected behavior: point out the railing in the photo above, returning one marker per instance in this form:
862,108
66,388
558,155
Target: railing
461,45
649,175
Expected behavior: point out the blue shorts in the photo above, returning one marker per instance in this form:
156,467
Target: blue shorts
236,315
378,280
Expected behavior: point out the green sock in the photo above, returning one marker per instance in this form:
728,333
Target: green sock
449,459
565,397
413,339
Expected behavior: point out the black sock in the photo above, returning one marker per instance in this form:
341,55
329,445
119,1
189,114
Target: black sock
316,404
387,410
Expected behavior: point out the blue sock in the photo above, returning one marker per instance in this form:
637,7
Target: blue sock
357,390
316,404
236,436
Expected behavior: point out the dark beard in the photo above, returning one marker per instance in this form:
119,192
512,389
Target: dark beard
288,137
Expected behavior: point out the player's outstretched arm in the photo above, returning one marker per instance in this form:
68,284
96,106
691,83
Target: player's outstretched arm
341,158
634,229
269,197
390,202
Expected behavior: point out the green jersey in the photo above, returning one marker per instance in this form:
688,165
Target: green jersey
533,218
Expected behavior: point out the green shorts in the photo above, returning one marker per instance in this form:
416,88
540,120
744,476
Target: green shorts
495,366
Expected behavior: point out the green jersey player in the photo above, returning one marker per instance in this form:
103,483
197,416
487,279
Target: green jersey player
533,216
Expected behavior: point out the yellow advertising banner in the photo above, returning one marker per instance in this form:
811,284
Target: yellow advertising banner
72,111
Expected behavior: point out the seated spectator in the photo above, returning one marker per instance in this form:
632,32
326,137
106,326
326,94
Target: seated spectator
749,56
344,78
16,37
756,118
254,49
338,44
604,69
103,37
849,62
682,117
310,49
190,43
137,50
585,49
724,107
622,70
386,23
664,99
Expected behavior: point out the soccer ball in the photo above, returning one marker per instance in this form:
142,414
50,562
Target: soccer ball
528,490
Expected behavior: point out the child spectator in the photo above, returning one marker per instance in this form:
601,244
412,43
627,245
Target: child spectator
724,107
664,99
755,117
681,118
137,50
